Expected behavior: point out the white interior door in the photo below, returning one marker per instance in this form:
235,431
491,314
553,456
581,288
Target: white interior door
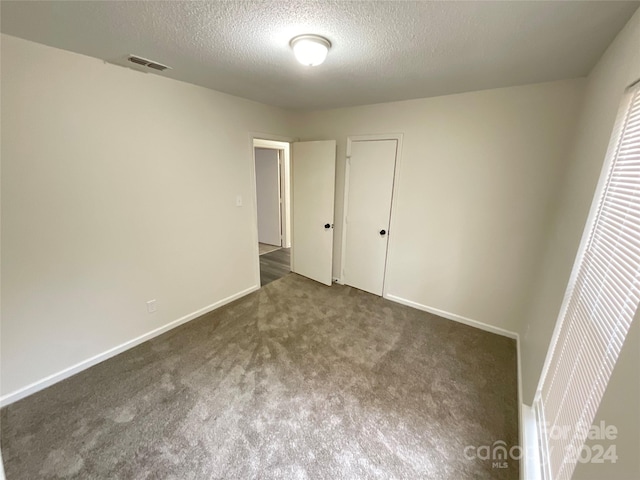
371,169
268,196
313,172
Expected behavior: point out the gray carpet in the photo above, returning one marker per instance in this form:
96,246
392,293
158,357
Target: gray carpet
295,381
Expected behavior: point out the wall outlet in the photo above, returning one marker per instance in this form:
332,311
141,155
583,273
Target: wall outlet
151,306
239,201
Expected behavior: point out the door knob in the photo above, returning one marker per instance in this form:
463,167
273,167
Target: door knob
327,225
383,232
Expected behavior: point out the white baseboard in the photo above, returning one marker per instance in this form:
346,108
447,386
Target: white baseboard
68,372
2,477
452,316
521,409
530,463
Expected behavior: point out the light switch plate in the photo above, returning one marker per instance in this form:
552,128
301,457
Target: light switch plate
151,306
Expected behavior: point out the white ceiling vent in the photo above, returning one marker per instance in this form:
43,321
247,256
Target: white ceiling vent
147,63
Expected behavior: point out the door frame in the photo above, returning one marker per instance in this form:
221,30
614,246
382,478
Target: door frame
394,196
253,136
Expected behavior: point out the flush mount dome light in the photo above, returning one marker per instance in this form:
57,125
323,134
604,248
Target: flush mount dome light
310,50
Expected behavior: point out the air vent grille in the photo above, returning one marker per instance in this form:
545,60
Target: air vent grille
147,63
157,66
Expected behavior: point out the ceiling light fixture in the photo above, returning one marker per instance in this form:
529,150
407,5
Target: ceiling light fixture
310,50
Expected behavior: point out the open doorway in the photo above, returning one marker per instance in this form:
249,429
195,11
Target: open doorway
272,169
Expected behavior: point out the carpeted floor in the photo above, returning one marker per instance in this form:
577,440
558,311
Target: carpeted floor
294,381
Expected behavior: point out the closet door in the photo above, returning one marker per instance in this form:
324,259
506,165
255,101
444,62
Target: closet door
370,176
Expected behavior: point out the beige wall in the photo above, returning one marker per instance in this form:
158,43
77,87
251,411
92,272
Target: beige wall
619,67
478,179
117,188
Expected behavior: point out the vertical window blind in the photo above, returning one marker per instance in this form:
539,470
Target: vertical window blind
599,306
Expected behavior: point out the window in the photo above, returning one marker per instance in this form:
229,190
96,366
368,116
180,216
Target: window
600,303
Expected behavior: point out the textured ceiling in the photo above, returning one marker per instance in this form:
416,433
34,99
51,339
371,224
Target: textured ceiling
382,51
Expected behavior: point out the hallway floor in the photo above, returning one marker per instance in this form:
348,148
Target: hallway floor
274,265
